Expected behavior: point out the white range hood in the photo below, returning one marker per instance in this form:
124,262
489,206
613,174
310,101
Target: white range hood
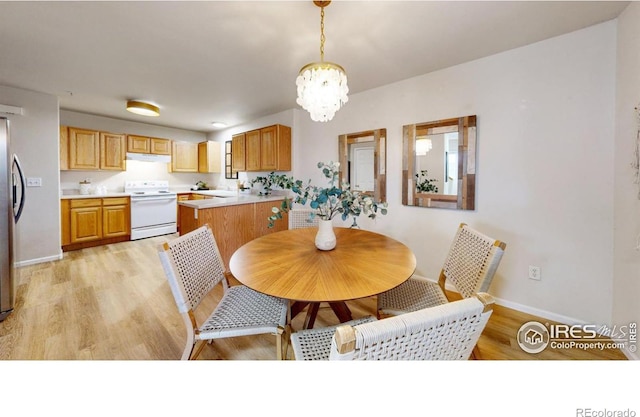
147,157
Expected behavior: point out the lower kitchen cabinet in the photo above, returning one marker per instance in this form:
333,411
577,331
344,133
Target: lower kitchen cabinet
88,222
233,225
115,217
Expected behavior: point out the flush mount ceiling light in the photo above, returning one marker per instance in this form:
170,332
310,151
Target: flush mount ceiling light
218,125
142,108
322,86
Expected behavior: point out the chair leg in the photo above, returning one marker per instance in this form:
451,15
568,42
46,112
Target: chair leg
287,339
279,333
195,354
475,353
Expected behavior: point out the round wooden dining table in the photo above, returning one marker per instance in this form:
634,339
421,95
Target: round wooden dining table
287,264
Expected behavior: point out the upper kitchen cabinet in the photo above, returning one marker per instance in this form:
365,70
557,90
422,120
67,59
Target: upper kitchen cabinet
112,151
252,150
145,144
275,148
64,148
185,157
209,157
265,149
84,149
238,159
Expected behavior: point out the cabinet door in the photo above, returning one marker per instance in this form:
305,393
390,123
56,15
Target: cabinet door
64,148
185,157
115,220
209,157
112,151
268,148
84,149
238,153
275,148
160,146
252,143
65,220
138,144
86,224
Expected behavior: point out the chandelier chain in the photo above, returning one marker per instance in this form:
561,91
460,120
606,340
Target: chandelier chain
322,34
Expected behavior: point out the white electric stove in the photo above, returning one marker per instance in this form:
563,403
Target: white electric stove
153,208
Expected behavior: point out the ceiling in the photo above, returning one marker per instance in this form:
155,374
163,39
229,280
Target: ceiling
235,61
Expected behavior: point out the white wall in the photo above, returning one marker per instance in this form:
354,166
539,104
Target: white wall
136,170
34,138
626,276
545,167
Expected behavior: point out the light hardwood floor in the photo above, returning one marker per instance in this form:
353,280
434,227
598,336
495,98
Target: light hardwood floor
113,302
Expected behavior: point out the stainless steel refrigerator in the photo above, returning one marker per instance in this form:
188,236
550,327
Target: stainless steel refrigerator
12,197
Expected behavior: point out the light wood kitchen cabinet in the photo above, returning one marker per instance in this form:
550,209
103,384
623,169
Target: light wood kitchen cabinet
275,148
209,157
84,149
64,148
265,149
184,157
90,150
112,151
88,222
234,225
160,146
252,150
145,144
238,158
115,217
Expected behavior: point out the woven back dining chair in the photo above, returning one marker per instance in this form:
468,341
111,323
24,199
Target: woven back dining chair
446,332
470,266
194,267
299,218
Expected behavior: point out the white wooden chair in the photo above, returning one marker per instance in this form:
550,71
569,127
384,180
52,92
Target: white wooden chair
470,266
193,266
445,332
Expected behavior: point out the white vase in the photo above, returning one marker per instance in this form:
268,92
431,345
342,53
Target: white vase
325,238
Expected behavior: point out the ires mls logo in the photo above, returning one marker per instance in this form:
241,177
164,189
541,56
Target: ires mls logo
534,337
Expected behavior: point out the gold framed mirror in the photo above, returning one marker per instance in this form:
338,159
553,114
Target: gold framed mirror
363,162
439,164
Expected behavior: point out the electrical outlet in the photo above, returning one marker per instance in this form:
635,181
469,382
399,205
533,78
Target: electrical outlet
534,273
34,182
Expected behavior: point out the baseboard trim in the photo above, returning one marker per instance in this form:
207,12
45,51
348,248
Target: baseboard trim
544,314
39,260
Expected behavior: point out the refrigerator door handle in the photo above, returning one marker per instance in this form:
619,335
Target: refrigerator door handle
23,187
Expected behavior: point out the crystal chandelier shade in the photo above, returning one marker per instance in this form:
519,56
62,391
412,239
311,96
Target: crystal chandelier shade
322,86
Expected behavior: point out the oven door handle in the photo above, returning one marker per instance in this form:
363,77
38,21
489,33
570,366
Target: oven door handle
145,199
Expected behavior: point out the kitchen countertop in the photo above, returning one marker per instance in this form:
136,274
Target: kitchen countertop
230,201
107,195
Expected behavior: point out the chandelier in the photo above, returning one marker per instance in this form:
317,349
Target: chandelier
322,86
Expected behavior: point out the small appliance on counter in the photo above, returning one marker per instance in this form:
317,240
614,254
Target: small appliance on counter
85,186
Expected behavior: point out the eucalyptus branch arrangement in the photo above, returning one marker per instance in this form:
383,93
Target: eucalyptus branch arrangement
272,180
328,202
424,184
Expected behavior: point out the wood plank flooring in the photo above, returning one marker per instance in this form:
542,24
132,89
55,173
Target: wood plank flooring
113,302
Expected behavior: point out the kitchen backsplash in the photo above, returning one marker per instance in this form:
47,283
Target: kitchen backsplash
138,170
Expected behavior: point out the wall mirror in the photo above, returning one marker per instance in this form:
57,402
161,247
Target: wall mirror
363,162
439,164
